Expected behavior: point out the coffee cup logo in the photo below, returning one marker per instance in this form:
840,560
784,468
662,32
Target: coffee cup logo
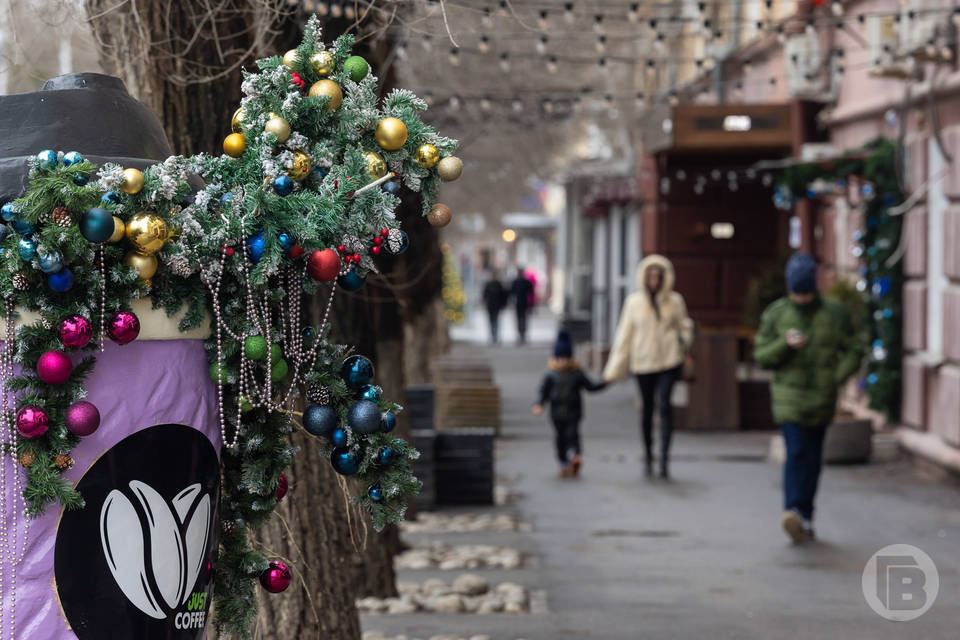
137,560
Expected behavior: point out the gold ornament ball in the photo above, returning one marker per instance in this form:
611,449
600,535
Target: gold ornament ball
322,62
119,230
439,215
279,127
234,145
391,133
428,155
147,232
290,57
376,166
330,89
301,166
146,265
450,168
132,181
236,122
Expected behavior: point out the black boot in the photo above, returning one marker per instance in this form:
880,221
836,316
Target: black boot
664,471
648,467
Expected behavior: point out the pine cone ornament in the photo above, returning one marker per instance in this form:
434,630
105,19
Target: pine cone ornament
228,528
20,282
62,217
26,459
318,394
63,462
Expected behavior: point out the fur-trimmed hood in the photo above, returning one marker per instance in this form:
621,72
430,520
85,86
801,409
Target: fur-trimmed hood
656,260
571,364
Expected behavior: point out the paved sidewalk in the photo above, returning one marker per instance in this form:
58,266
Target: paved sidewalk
701,556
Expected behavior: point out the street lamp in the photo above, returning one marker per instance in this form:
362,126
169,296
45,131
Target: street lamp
508,235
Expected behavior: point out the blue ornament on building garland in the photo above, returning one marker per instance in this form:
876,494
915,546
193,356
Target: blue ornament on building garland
371,392
4,231
61,281
255,247
286,241
72,157
47,159
283,185
96,225
110,196
356,371
81,179
375,493
392,187
320,420
50,262
23,227
226,199
351,281
8,212
364,417
27,248
389,422
385,456
339,437
344,462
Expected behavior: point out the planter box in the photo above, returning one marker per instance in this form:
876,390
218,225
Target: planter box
463,466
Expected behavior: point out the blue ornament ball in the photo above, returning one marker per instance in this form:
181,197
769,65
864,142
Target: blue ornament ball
47,159
351,281
50,262
356,371
309,332
344,462
321,172
96,225
389,422
392,187
320,420
286,241
61,281
72,157
371,392
27,249
385,456
255,246
23,227
8,212
226,199
364,417
4,231
283,185
81,179
110,196
339,437
375,493
873,378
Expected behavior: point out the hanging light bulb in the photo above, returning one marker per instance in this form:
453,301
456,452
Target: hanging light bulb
454,56
485,103
428,98
674,99
542,45
773,83
401,50
505,62
453,104
709,64
323,9
747,65
547,105
350,13
484,45
552,64
517,105
542,22
309,6
781,35
568,12
810,27
426,42
634,13
601,45
640,100
486,19
336,10
598,23
602,63
504,9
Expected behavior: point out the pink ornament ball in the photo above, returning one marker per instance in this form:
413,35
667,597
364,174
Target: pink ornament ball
124,327
74,332
82,418
282,486
32,421
276,577
54,367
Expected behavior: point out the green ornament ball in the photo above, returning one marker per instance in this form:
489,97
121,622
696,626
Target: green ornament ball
276,353
357,67
245,406
255,348
279,370
219,373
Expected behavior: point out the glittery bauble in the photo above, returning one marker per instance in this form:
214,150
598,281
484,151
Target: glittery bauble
290,57
27,248
389,422
123,327
351,281
255,348
375,493
234,145
71,158
300,168
356,371
219,373
50,261
74,332
371,392
282,486
450,168
32,421
330,89
439,215
47,159
83,418
276,577
323,265
364,417
391,134
147,232
61,217
428,155
146,265
385,456
119,231
279,127
320,420
26,459
54,367
236,122
344,462
357,67
397,241
283,185
61,281
255,247
279,371
276,353
376,167
20,282
132,181
96,225
322,62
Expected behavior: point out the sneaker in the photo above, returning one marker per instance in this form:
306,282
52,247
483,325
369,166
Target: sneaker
565,471
575,463
792,524
808,529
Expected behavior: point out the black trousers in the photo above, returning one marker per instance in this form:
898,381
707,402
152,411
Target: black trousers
522,323
567,434
494,325
655,390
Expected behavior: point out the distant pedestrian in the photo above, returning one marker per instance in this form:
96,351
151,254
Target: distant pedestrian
561,388
810,344
652,342
521,290
494,300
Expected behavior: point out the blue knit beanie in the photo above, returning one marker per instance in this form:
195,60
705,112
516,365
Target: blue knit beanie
801,273
563,347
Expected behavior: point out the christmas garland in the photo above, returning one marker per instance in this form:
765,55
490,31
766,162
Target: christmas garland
301,201
881,270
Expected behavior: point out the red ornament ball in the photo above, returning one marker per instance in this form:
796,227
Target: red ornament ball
378,240
356,257
32,421
74,332
124,327
375,250
324,265
83,418
282,486
341,249
384,232
54,367
296,252
228,251
348,259
276,577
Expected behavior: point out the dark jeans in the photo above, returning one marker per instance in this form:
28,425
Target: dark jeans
568,438
655,388
801,472
494,325
522,323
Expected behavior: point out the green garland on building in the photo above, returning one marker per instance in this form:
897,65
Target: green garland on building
881,270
